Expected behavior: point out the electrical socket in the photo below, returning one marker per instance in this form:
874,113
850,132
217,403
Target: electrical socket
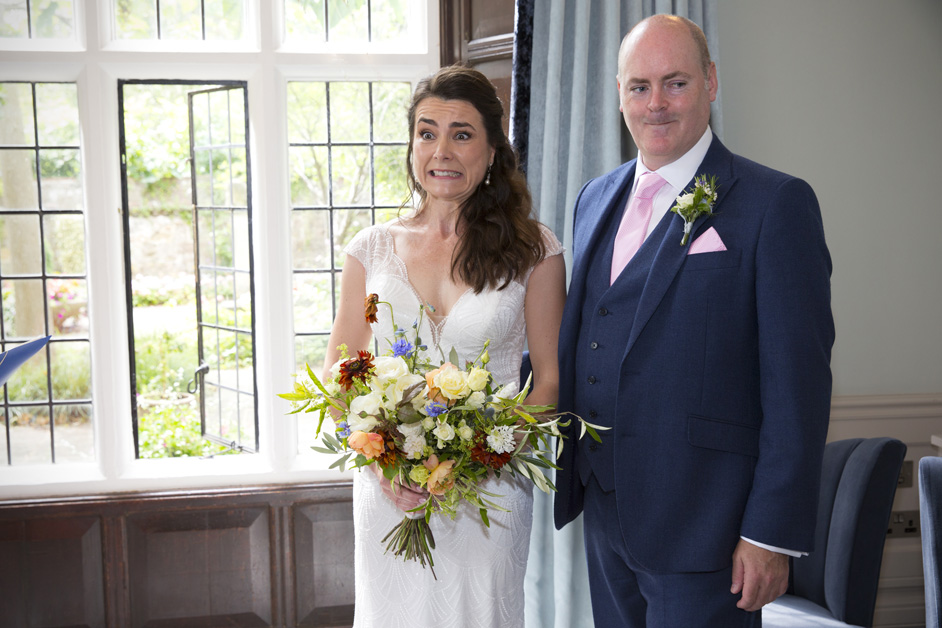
906,475
903,523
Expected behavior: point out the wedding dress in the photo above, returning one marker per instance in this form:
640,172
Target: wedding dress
479,570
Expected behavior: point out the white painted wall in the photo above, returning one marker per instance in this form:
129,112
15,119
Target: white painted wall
847,94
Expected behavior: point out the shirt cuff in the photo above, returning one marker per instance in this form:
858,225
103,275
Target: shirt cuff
780,550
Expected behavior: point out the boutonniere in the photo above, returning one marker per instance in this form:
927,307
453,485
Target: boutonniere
695,203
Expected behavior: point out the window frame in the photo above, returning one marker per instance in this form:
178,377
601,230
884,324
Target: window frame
96,70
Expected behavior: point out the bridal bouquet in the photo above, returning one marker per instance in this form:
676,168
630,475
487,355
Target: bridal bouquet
443,427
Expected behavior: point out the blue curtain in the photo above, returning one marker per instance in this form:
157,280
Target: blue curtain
566,124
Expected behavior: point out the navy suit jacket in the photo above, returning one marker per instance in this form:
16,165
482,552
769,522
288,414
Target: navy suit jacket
724,386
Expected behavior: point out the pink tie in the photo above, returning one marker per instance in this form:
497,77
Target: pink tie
634,224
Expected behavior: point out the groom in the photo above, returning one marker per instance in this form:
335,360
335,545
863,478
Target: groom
709,360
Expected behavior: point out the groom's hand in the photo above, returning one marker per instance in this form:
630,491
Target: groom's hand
759,574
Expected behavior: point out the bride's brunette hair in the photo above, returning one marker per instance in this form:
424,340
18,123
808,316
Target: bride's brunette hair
500,241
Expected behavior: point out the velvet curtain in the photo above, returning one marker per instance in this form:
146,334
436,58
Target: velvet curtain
566,125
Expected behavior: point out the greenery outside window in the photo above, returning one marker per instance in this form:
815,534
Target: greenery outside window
347,156
319,154
37,19
46,408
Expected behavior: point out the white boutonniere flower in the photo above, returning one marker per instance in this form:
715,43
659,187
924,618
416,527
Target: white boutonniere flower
695,203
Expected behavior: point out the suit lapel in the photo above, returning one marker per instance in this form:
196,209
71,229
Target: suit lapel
607,202
670,254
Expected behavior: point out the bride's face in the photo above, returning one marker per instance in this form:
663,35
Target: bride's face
450,153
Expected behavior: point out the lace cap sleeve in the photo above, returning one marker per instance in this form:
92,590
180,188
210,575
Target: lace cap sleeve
551,242
552,245
370,246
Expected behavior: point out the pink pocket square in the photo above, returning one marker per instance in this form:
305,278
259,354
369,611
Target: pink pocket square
708,242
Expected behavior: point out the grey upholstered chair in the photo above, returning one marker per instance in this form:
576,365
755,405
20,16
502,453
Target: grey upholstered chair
836,584
930,514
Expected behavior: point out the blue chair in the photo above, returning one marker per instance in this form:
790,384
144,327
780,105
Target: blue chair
525,369
836,584
930,515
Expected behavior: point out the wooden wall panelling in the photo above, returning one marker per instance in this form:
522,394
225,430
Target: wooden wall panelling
208,564
51,572
324,584
265,556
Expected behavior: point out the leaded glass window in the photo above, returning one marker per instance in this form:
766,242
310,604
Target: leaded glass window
47,409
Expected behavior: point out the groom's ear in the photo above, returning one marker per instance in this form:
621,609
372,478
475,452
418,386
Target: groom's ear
712,84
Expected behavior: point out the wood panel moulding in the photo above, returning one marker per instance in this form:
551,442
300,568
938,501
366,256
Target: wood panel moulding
265,556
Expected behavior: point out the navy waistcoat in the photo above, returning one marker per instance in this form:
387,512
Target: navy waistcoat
608,313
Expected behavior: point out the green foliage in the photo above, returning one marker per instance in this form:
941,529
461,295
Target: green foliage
164,363
173,431
163,290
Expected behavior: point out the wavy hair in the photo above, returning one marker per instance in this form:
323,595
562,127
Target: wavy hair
499,239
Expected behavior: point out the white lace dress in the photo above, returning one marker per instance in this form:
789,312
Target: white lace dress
480,570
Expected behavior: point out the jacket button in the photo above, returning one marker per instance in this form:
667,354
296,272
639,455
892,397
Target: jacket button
603,312
591,379
594,345
593,413
593,446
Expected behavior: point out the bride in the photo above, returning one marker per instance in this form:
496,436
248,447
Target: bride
486,270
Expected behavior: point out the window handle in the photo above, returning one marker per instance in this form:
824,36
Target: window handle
193,386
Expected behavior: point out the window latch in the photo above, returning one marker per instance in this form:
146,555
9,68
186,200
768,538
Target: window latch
194,384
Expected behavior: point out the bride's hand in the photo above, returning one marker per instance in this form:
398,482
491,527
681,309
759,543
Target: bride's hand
405,497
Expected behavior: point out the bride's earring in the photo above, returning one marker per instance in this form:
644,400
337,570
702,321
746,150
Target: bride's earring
487,177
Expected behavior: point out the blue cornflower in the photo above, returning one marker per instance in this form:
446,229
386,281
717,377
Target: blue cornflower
343,429
435,408
402,347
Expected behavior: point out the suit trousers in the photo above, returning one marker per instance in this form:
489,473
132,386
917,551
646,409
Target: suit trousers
626,595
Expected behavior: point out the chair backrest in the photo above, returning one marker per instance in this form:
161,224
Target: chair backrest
525,370
858,482
930,515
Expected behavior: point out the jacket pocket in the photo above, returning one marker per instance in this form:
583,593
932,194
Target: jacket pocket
714,259
723,436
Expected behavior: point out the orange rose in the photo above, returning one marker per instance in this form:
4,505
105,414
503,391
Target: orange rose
439,480
366,443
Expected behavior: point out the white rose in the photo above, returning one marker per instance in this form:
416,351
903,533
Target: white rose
387,368
453,383
428,423
476,400
444,431
369,404
397,389
361,424
411,429
684,201
477,379
465,432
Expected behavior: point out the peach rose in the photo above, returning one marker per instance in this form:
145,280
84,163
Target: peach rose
367,443
439,478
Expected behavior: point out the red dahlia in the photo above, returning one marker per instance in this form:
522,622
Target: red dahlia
359,368
488,458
